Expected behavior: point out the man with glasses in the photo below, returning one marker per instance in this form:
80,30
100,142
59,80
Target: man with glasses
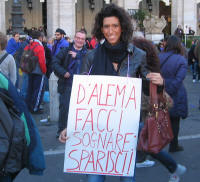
59,42
65,64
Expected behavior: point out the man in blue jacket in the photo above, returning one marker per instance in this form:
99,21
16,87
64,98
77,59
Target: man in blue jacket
13,44
12,48
60,41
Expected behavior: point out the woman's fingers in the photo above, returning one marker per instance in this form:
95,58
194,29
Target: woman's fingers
156,78
63,136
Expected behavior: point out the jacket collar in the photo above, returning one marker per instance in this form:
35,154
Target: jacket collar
130,48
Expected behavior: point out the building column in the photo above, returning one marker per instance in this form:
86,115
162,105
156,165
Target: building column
119,2
176,14
61,13
184,13
155,7
130,4
190,14
2,16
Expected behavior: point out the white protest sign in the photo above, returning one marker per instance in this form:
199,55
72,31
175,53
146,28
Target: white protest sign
103,123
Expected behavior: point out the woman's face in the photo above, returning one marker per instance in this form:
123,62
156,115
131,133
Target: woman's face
111,29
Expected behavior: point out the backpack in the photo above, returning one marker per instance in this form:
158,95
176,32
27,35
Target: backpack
13,150
28,60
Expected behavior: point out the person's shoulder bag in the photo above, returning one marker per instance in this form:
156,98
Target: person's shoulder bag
157,131
3,58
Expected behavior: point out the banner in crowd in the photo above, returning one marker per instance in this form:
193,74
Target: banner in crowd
103,125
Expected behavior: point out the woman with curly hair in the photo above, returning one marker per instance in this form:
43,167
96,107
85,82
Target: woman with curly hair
116,56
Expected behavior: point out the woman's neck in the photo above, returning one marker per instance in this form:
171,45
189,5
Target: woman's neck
115,65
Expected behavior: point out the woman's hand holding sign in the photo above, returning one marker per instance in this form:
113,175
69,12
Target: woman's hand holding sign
63,136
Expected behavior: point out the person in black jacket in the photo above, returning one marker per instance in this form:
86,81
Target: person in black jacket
191,32
48,57
193,61
65,64
179,32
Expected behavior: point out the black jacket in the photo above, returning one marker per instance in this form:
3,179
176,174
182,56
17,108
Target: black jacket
137,63
60,66
48,58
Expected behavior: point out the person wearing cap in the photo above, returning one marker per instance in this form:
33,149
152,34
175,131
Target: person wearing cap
59,42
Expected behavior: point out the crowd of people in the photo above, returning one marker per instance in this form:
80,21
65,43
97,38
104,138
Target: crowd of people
26,30
105,53
182,33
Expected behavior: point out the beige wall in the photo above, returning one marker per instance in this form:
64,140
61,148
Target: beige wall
61,13
130,4
85,16
2,16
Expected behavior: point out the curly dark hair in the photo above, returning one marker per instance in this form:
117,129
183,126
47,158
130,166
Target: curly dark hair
3,41
153,62
174,44
121,14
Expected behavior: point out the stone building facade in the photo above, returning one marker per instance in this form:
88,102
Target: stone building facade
71,15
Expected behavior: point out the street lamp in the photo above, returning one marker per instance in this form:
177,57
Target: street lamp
17,17
92,4
150,6
29,5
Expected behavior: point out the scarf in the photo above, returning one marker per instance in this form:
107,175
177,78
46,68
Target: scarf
105,55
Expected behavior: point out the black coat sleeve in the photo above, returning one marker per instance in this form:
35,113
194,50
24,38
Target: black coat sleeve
58,63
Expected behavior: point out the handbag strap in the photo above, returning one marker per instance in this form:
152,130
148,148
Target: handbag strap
3,58
153,95
166,59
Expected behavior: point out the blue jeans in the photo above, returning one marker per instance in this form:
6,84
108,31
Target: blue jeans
101,178
24,88
195,70
35,91
64,100
164,158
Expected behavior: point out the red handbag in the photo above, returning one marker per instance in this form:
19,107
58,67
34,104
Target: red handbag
157,131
